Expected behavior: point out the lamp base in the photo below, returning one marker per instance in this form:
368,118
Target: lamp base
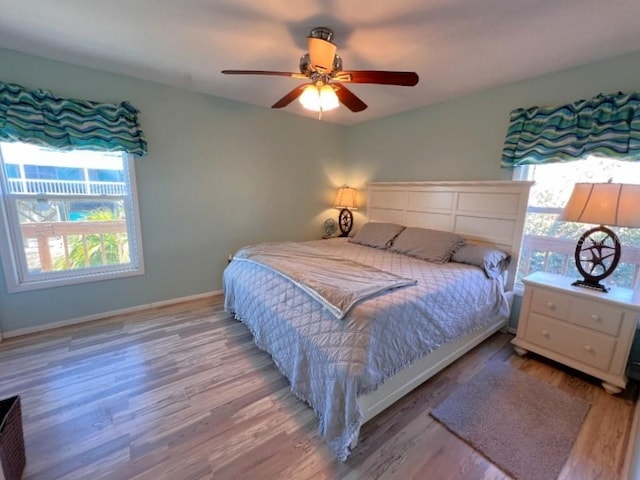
591,285
597,255
345,220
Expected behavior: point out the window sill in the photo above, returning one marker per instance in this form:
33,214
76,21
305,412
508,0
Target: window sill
16,287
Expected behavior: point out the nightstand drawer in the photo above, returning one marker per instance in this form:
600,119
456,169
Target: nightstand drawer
604,318
587,347
550,304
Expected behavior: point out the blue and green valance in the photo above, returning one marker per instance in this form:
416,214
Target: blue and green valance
606,125
38,117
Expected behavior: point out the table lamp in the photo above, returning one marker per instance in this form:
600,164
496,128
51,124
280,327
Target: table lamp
346,199
598,250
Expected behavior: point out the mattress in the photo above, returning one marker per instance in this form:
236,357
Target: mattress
330,361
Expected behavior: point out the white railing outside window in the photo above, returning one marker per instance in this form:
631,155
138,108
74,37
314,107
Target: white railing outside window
65,187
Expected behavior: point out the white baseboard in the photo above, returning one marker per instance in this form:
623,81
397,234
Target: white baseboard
99,316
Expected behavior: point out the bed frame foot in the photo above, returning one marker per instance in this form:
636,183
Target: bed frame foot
354,443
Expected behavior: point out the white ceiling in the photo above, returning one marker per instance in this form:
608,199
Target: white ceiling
456,46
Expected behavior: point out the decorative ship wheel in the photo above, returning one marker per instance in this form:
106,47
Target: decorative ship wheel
597,255
346,222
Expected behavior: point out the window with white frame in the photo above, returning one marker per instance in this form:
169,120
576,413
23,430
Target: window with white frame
67,216
549,244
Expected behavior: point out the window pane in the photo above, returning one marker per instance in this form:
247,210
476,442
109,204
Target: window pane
554,181
65,235
52,173
13,171
61,173
104,175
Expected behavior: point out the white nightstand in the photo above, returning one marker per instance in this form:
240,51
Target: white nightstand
584,329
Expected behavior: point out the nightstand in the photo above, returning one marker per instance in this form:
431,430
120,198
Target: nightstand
584,329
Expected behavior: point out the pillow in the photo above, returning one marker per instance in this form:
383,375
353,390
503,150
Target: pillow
377,234
432,245
491,260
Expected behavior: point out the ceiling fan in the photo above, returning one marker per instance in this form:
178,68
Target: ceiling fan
323,68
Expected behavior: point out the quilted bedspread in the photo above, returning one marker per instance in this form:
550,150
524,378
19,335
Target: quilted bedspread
328,361
336,282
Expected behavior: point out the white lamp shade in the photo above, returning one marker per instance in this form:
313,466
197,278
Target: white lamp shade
346,198
322,98
613,204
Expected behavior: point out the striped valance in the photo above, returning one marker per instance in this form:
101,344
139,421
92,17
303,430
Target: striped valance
606,125
38,117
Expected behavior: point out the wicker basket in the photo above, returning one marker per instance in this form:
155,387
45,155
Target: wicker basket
12,457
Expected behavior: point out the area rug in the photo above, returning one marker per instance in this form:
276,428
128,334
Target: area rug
524,425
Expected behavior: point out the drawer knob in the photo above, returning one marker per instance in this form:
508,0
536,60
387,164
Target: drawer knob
596,317
588,348
550,305
545,333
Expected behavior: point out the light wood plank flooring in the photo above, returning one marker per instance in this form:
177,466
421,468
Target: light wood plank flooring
181,392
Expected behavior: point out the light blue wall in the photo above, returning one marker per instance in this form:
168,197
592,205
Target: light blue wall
219,174
462,139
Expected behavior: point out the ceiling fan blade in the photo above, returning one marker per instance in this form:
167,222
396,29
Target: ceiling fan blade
263,72
403,79
290,97
348,98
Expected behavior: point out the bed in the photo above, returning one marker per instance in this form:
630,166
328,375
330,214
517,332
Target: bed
351,364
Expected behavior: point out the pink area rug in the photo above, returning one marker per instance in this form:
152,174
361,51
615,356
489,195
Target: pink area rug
523,425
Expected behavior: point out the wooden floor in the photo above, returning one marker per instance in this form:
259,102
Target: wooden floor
181,392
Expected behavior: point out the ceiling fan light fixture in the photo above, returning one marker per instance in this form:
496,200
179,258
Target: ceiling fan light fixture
319,98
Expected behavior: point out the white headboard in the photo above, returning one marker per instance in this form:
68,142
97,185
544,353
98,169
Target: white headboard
483,212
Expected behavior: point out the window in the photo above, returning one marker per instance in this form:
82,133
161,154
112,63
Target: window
549,244
68,217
